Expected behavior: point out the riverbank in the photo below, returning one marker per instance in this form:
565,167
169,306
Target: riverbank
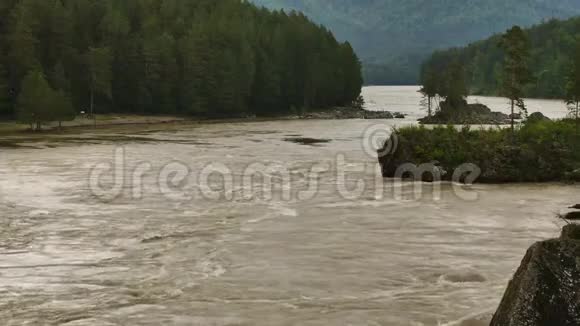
102,121
105,121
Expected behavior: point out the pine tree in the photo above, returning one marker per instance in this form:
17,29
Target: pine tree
267,91
5,93
573,88
200,57
99,69
455,88
61,108
35,101
161,73
22,42
516,73
429,88
58,79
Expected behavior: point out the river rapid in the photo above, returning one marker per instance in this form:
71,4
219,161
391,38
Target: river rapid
181,230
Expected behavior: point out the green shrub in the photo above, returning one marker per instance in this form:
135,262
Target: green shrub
537,152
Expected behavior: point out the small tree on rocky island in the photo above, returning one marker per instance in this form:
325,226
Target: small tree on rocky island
454,88
515,74
34,101
573,88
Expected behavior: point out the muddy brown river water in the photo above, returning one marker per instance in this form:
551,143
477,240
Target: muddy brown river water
179,227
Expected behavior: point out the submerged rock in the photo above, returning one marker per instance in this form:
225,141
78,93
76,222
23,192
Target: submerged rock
546,288
307,141
572,216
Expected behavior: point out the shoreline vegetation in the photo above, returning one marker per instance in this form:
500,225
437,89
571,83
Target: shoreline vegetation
540,151
537,150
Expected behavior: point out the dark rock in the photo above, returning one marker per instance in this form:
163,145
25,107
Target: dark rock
307,141
348,113
464,113
401,164
537,117
468,277
573,176
152,239
399,115
572,216
577,206
515,116
378,115
545,290
571,232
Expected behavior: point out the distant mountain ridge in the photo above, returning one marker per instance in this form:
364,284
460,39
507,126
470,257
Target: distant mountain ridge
392,37
553,48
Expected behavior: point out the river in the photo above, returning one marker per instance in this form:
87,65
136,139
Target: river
168,227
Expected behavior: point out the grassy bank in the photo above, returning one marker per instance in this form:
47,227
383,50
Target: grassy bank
537,152
105,120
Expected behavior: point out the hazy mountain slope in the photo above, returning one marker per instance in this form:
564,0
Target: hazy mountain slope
402,33
553,46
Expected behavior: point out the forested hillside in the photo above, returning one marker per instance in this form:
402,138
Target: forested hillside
393,37
552,47
197,57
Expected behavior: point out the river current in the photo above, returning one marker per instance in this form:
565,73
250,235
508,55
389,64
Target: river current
179,226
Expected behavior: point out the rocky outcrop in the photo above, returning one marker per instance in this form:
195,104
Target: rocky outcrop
515,116
348,113
545,290
464,113
537,117
572,216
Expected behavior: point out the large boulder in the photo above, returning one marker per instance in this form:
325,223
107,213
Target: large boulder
545,290
464,113
537,117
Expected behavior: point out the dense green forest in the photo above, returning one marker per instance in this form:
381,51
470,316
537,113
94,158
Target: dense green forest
393,37
553,46
195,57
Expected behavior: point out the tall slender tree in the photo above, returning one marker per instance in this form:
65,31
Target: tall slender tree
573,88
100,75
35,101
515,73
428,88
61,108
454,85
5,98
